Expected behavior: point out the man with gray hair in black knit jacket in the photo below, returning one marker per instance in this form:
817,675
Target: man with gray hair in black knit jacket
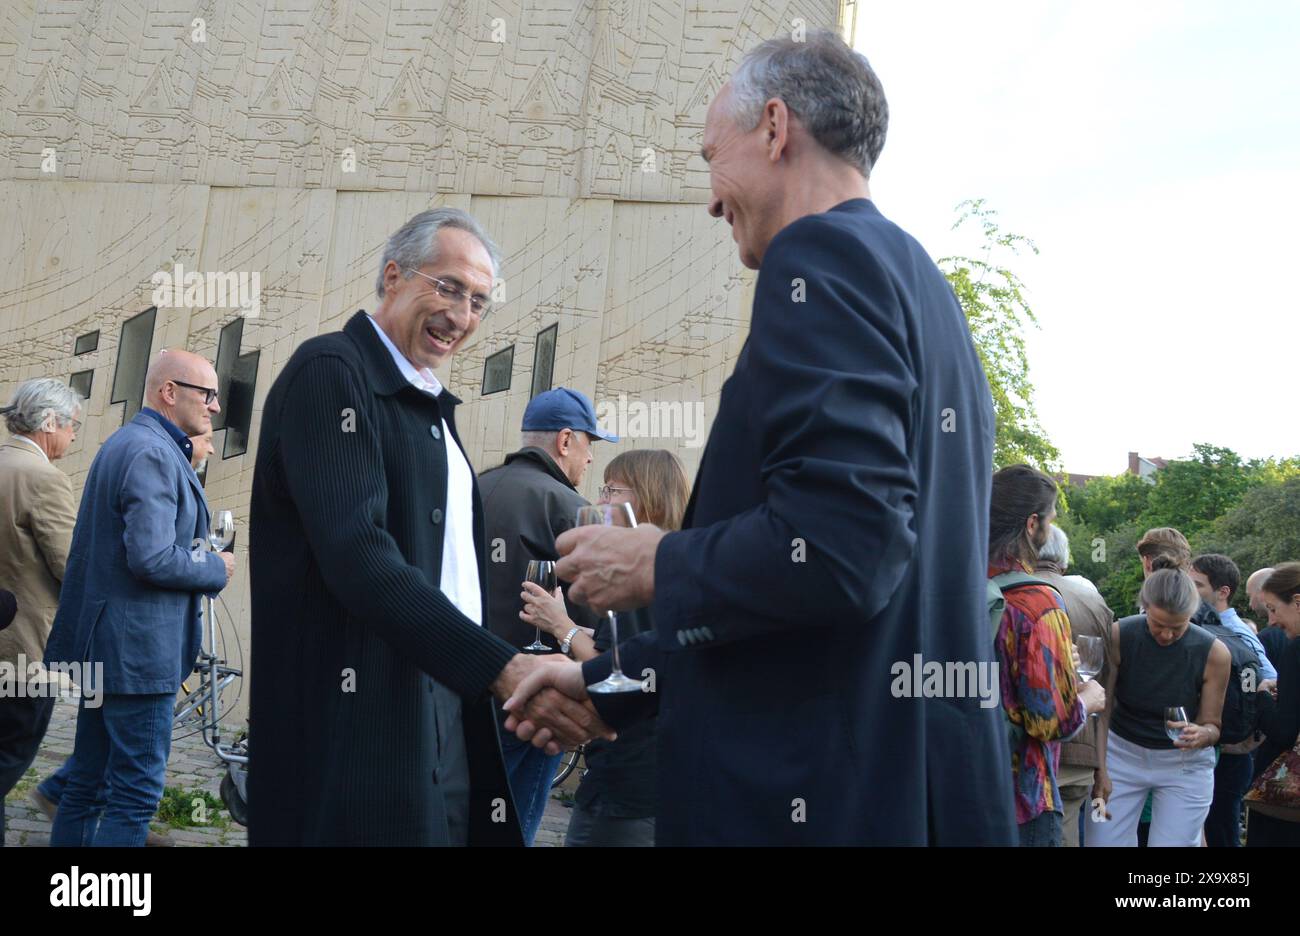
372,696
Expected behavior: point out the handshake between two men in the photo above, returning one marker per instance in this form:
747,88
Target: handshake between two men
610,569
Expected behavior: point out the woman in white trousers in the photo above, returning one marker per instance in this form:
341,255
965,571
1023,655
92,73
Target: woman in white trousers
1162,660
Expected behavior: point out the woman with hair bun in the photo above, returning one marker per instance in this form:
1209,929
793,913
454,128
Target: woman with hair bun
1162,661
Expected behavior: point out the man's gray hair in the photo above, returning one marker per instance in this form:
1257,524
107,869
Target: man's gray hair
1171,590
826,84
543,439
416,242
37,400
1057,547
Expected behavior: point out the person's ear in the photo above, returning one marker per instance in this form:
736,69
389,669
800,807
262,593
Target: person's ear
777,124
562,440
392,276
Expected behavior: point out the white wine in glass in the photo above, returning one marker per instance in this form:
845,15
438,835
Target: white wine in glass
617,515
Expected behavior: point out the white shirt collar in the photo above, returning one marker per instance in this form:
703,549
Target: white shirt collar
422,379
33,445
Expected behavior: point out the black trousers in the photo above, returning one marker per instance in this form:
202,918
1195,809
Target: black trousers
1231,781
22,726
1270,832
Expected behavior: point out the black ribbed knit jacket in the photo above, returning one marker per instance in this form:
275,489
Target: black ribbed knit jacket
349,626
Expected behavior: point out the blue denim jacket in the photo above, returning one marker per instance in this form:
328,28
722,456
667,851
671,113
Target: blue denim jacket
131,593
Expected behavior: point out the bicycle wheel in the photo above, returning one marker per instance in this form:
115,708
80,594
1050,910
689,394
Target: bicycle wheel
234,802
566,766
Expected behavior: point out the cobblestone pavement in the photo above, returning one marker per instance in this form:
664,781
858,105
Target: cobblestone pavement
192,766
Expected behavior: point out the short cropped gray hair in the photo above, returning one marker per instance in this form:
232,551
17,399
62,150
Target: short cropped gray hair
1171,590
1057,547
37,400
826,84
416,243
539,438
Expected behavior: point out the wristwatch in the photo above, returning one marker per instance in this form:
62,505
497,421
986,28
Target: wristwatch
566,645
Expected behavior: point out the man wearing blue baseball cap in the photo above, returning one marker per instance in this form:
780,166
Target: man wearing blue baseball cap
527,503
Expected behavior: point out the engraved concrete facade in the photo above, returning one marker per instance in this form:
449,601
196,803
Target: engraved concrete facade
290,137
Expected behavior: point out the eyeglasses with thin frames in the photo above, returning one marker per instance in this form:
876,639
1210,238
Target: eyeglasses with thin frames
208,393
608,490
479,305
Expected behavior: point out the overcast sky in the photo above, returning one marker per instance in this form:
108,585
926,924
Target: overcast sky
1152,151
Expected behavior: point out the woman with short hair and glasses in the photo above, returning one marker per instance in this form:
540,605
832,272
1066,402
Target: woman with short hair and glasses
615,803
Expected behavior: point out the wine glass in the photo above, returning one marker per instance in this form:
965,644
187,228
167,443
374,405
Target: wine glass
1091,658
618,515
540,572
222,532
1175,722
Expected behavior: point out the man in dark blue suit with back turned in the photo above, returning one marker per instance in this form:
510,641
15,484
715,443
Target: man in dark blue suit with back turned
836,538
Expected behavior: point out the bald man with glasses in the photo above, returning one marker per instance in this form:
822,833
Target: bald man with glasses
128,614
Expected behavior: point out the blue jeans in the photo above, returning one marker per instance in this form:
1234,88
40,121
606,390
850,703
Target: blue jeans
1042,831
122,746
529,771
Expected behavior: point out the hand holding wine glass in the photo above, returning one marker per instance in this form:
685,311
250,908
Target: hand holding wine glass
1175,723
540,572
611,515
220,535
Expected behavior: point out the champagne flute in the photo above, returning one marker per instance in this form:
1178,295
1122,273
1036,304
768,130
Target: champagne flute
1091,657
540,572
616,515
1175,722
222,532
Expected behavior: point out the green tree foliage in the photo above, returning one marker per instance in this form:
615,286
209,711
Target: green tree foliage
1189,495
1248,510
1263,530
1109,503
997,312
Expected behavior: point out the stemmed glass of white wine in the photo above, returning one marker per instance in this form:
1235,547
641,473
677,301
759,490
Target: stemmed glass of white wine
222,532
1175,722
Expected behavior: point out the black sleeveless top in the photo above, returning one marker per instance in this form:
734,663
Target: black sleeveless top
1151,678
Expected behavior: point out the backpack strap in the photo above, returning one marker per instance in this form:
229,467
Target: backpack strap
1009,580
999,585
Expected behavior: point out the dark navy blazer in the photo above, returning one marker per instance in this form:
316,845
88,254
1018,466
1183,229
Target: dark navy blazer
134,581
838,527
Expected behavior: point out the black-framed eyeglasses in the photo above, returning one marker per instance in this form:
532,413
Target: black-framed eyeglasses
208,393
608,490
479,305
